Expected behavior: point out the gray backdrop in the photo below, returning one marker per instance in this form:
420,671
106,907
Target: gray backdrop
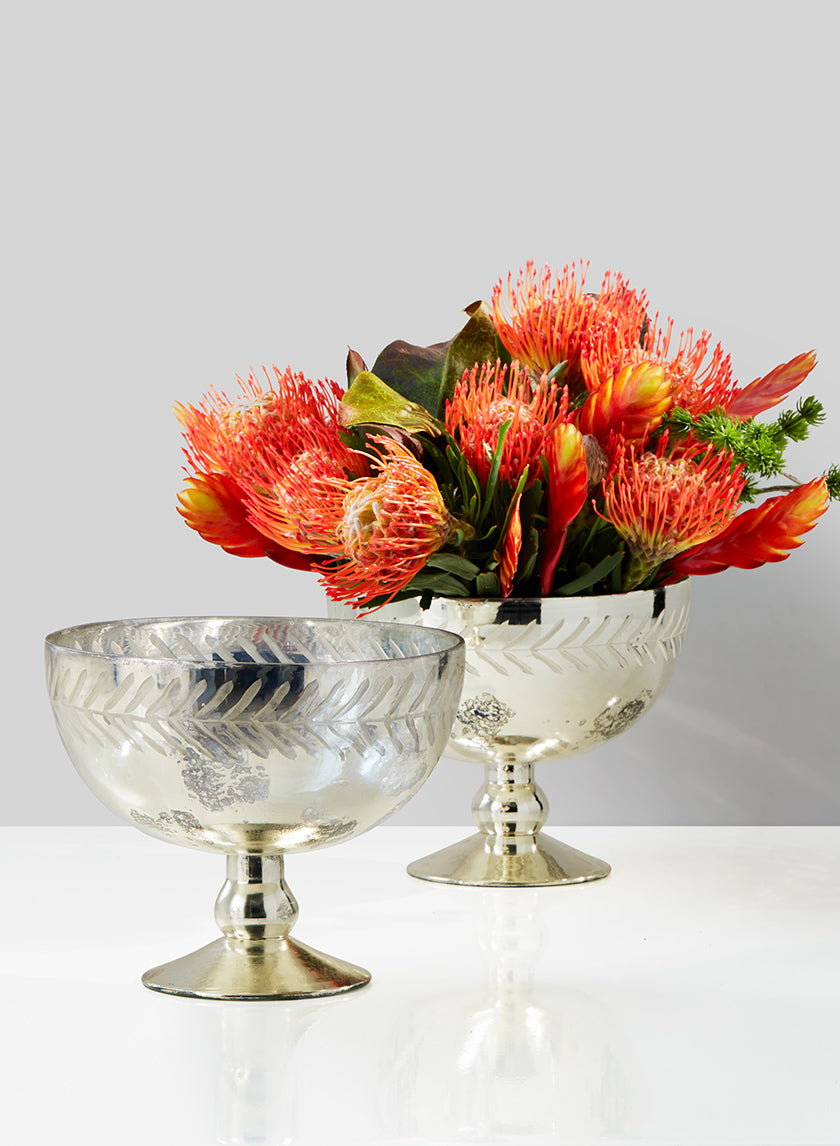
195,188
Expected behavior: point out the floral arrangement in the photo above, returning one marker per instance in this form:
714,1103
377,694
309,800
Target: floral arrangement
562,442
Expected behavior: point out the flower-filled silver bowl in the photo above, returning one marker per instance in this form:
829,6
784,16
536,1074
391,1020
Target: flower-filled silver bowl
254,737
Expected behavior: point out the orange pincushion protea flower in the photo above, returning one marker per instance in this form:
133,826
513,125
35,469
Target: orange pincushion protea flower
701,381
390,524
274,448
696,383
768,532
546,318
298,502
663,505
288,412
488,397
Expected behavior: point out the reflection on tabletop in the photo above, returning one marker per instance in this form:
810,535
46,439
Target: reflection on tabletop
690,997
501,1060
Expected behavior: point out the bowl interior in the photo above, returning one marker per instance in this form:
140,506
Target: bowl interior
252,640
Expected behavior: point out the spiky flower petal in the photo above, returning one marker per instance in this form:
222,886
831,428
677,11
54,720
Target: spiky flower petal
632,403
277,449
546,318
663,505
511,549
213,505
767,532
389,525
568,483
768,391
491,395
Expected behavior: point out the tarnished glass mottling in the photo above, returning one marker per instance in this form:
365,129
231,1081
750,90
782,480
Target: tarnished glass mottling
546,678
254,737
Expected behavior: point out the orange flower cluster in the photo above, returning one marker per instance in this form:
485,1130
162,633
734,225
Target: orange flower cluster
490,397
579,447
662,505
274,477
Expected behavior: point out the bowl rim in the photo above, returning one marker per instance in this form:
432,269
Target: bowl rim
449,641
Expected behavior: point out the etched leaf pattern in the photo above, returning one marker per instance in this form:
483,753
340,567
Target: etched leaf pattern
586,645
248,695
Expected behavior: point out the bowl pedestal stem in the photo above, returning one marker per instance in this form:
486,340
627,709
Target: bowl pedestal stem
256,958
509,849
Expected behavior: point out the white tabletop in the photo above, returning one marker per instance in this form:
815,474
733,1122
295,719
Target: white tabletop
691,997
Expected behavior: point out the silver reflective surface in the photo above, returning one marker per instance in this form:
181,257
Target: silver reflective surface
255,737
545,679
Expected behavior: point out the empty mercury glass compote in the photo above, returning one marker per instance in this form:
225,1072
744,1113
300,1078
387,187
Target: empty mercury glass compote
254,736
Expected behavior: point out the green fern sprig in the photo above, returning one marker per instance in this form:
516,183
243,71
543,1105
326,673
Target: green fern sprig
758,446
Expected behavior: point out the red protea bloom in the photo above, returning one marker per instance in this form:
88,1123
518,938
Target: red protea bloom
277,452
632,403
485,399
663,505
546,318
390,524
568,482
767,532
209,428
291,402
296,502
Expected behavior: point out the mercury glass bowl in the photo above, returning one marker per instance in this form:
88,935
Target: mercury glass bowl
254,736
546,679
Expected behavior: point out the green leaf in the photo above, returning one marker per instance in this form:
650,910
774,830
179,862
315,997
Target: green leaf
441,583
474,344
602,569
427,374
416,372
528,556
453,563
615,579
558,371
355,365
528,552
372,401
487,585
495,464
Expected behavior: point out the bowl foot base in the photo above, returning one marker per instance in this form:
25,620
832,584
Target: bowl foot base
512,861
257,969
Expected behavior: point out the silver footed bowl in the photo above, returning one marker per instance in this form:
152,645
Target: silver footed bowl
545,679
254,736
